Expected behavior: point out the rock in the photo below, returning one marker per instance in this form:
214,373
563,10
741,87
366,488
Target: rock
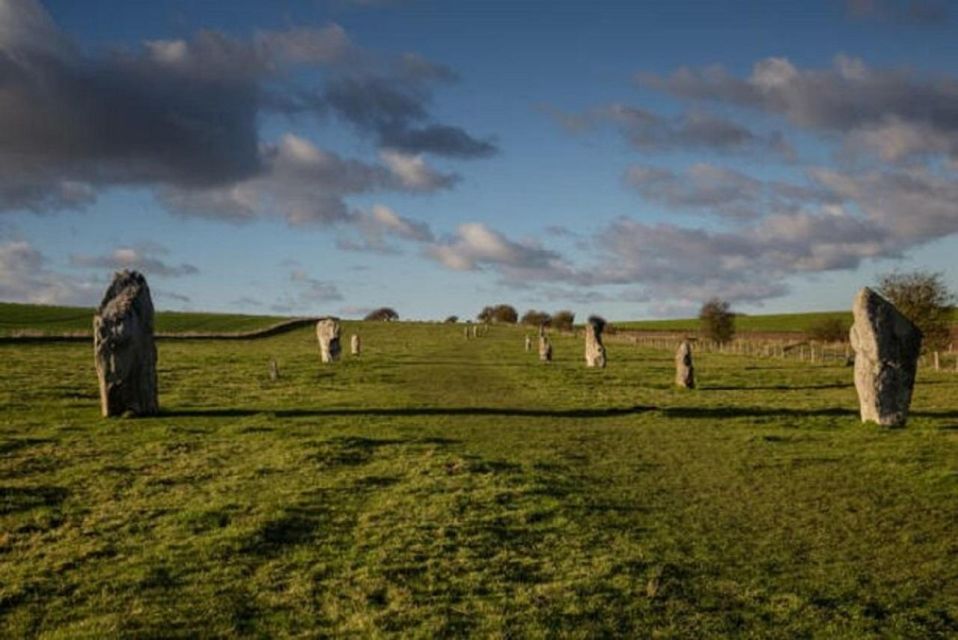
594,350
887,346
545,349
475,331
528,344
273,371
465,332
123,348
355,345
684,371
327,333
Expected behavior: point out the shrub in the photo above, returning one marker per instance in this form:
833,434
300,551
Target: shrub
536,318
829,330
924,298
717,322
451,320
503,313
563,320
382,314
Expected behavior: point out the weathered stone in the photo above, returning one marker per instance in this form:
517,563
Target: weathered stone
123,347
273,371
327,333
528,344
684,371
355,344
545,349
887,346
594,349
465,332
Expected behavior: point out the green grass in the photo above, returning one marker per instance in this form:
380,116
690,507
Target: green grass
439,487
784,322
44,319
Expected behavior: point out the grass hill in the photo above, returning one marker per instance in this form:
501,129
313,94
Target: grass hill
51,320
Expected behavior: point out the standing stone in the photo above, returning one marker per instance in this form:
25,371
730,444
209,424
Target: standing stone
355,344
327,333
465,332
123,348
594,350
528,344
475,331
684,371
887,346
273,371
545,349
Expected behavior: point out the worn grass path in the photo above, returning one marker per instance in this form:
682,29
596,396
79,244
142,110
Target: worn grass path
439,487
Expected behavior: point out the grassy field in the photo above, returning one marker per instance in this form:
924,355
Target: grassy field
795,322
439,487
57,320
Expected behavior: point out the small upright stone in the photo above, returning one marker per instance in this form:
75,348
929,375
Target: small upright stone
327,333
684,371
475,331
545,349
594,349
273,371
528,344
465,332
355,344
123,348
887,346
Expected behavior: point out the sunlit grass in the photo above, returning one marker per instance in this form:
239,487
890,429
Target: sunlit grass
438,486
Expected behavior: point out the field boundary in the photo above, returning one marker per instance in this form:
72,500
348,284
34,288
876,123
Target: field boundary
266,332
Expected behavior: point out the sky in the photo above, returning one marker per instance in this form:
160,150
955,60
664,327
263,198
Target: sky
626,159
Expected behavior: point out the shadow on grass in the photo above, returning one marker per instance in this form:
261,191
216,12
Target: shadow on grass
780,387
410,411
754,412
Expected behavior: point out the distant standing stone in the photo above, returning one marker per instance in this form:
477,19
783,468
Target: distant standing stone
475,331
545,349
123,348
684,371
273,370
355,344
327,333
528,344
465,332
887,346
594,349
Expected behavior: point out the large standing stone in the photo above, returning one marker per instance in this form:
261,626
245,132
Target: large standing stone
327,332
355,344
887,346
123,347
594,350
684,371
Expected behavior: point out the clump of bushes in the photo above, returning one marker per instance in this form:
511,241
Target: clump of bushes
536,318
563,320
717,321
501,313
382,314
924,298
451,320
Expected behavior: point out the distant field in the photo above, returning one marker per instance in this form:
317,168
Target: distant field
438,487
772,323
57,320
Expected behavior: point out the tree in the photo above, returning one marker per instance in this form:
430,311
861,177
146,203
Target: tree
717,322
503,313
451,320
536,318
382,314
924,298
563,320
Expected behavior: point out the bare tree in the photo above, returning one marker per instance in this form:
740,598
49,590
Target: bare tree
717,321
924,298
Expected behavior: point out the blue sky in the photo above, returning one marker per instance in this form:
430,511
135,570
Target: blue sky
627,159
